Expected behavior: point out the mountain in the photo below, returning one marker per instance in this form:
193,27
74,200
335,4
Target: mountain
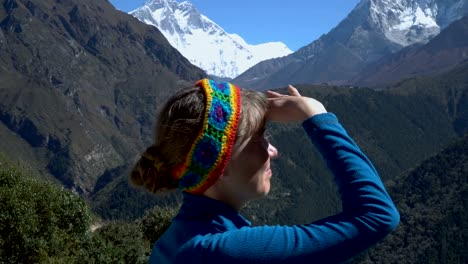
204,42
80,82
432,200
373,29
440,54
79,85
397,128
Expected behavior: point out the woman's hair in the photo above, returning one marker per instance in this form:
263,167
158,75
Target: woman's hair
178,125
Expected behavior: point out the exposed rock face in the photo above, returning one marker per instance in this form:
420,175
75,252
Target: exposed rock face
80,83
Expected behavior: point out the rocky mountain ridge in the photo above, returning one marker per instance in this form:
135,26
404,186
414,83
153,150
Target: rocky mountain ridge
442,53
373,30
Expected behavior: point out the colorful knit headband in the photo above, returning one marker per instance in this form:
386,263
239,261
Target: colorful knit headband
212,148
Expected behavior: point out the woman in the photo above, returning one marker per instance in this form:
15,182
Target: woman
210,144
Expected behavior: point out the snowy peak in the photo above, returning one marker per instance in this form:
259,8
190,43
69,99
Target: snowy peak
406,22
373,29
167,14
204,42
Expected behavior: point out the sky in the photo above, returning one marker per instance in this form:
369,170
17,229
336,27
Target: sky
296,23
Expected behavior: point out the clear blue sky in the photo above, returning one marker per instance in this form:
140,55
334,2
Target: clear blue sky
293,22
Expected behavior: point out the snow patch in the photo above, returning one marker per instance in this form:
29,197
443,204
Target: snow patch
418,17
406,22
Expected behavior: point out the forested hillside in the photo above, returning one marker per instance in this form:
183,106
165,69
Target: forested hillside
432,200
42,223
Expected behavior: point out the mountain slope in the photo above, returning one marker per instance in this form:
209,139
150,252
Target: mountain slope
204,42
374,29
79,84
432,200
442,53
398,128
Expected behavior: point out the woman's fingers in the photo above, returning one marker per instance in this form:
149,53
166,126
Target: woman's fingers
271,94
292,107
293,91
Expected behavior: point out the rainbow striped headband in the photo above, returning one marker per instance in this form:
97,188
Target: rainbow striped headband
212,148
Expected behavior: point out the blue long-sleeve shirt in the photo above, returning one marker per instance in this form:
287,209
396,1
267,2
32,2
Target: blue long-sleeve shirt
209,231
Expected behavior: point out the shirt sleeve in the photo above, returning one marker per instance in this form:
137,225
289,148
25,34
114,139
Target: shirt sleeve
368,213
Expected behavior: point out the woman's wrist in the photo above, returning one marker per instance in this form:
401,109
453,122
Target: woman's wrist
312,107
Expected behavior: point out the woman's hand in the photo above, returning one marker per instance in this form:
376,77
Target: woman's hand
293,107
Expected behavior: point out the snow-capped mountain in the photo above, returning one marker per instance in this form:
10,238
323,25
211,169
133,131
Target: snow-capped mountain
373,29
406,22
202,41
447,50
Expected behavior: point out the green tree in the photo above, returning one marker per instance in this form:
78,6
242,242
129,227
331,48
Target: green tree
39,221
155,222
118,242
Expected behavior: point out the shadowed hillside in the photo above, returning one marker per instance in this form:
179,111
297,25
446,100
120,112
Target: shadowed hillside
79,85
433,202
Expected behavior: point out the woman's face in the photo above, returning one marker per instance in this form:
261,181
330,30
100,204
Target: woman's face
249,167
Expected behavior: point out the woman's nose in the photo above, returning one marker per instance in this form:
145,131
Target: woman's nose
272,151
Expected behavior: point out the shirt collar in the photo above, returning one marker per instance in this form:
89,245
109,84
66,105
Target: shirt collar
204,208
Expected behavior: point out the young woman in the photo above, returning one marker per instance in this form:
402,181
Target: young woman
210,144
